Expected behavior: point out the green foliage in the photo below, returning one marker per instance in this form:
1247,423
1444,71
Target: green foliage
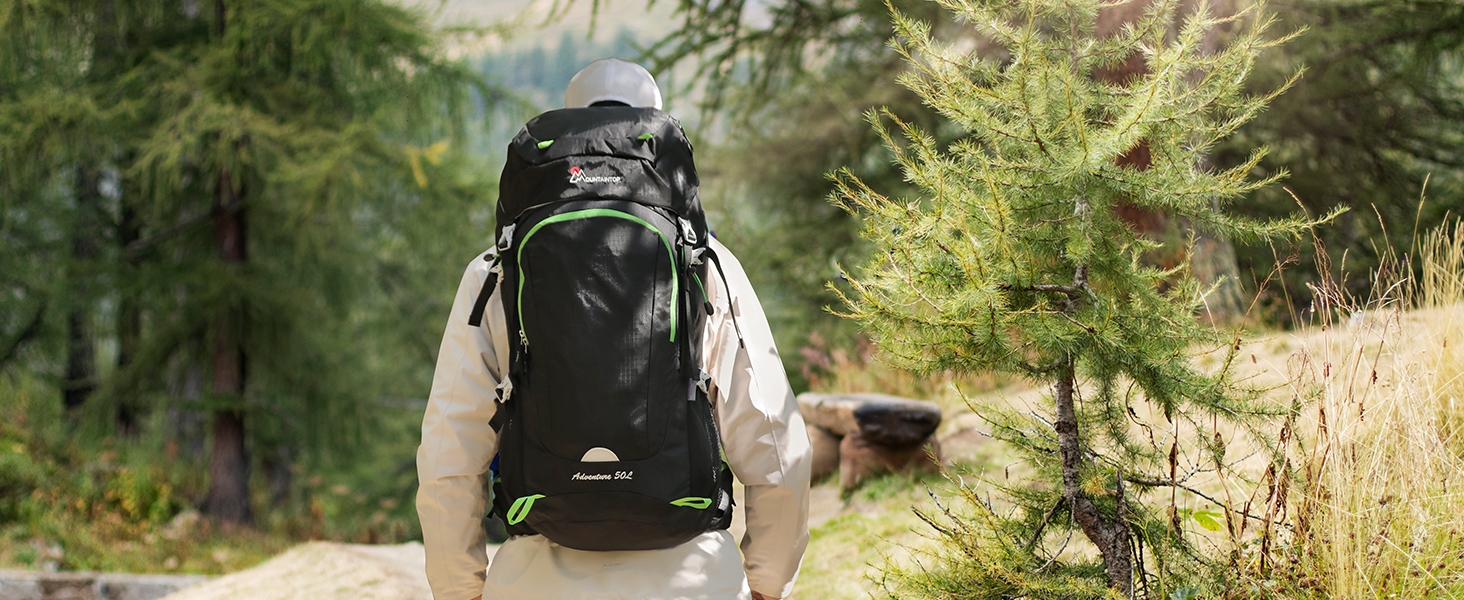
1378,112
1012,258
113,504
784,95
977,558
1017,219
339,128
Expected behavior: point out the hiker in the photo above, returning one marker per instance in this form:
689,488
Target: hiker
522,391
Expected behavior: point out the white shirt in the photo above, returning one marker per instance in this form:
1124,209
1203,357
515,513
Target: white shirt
762,435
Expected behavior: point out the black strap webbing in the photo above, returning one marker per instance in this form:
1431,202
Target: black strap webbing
727,289
475,318
496,422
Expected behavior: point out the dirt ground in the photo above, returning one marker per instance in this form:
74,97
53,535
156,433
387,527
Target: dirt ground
326,571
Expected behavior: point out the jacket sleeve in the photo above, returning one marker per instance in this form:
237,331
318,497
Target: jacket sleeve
458,445
762,430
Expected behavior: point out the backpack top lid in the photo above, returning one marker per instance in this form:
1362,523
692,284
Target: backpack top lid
600,152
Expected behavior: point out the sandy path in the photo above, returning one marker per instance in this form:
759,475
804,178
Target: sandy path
326,571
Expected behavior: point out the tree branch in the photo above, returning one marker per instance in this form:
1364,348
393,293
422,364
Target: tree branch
1055,365
1037,535
1070,291
139,246
1167,483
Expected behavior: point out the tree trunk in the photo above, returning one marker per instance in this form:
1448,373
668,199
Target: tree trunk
80,340
1213,263
1111,537
129,312
228,495
129,230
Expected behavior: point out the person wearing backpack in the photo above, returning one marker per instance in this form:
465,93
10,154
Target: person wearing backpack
605,370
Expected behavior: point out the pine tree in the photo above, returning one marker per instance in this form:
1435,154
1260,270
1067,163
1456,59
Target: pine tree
1013,259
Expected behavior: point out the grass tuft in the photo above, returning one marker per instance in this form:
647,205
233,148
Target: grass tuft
1381,471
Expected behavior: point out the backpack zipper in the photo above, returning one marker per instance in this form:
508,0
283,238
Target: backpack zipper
586,214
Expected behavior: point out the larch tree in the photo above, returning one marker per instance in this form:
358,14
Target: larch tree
281,125
1013,258
264,171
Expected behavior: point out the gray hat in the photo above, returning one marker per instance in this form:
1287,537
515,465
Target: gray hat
614,80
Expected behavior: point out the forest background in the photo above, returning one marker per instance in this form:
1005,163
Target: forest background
230,231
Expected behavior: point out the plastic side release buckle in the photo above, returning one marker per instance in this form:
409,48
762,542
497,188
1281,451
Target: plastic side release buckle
505,239
688,232
505,389
703,382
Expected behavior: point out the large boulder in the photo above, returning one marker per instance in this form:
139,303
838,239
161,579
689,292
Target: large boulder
868,434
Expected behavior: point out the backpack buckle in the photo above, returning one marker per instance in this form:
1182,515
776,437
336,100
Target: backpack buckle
688,232
703,382
696,256
504,389
505,239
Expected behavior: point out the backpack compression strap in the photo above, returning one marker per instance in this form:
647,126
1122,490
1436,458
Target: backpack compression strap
505,242
495,273
727,289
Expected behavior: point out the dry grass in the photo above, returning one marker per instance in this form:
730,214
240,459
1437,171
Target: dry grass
1379,507
1374,507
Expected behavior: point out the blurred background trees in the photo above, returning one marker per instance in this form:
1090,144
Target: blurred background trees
1379,111
232,221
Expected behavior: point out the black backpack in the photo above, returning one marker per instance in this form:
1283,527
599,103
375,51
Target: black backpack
606,434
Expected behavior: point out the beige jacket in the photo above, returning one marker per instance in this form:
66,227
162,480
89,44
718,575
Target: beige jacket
762,435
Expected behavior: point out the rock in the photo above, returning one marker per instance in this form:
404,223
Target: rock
881,419
859,458
825,451
27,585
866,434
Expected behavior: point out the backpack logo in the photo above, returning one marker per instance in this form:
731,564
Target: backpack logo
582,476
578,176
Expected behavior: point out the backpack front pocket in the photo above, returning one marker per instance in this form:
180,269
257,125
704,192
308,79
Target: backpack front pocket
597,299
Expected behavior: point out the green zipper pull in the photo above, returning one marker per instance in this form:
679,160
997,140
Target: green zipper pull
545,144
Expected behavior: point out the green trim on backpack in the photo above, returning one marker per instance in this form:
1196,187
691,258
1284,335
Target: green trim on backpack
521,508
693,502
545,144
